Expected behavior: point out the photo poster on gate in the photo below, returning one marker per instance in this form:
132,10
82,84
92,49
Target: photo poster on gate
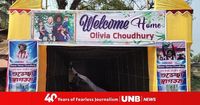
49,27
139,28
171,66
22,74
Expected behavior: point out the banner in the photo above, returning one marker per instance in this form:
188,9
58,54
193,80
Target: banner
99,98
23,66
102,27
171,66
53,26
120,27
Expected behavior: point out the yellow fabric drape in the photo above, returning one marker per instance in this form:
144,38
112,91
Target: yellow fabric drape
27,4
171,5
153,87
19,26
42,69
20,23
179,27
20,29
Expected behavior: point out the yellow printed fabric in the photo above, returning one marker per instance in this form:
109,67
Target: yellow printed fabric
27,4
179,24
42,69
179,27
153,87
19,26
171,5
20,22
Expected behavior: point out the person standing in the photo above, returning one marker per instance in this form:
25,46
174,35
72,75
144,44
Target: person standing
57,27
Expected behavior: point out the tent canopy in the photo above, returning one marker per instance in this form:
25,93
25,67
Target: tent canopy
179,27
171,5
159,4
27,4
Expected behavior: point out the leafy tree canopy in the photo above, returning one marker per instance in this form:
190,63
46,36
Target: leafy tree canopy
196,58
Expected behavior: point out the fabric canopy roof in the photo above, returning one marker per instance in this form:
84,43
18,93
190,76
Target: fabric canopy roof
27,4
171,5
159,4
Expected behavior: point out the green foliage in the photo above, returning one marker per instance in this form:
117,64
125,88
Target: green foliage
115,5
105,5
3,21
161,36
4,6
191,53
195,83
137,42
107,42
196,58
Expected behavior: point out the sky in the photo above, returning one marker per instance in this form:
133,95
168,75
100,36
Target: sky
196,26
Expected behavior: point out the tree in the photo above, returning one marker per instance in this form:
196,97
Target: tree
75,4
196,58
107,4
104,5
62,4
4,6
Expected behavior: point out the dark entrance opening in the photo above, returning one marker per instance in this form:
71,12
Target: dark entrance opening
2,79
109,68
